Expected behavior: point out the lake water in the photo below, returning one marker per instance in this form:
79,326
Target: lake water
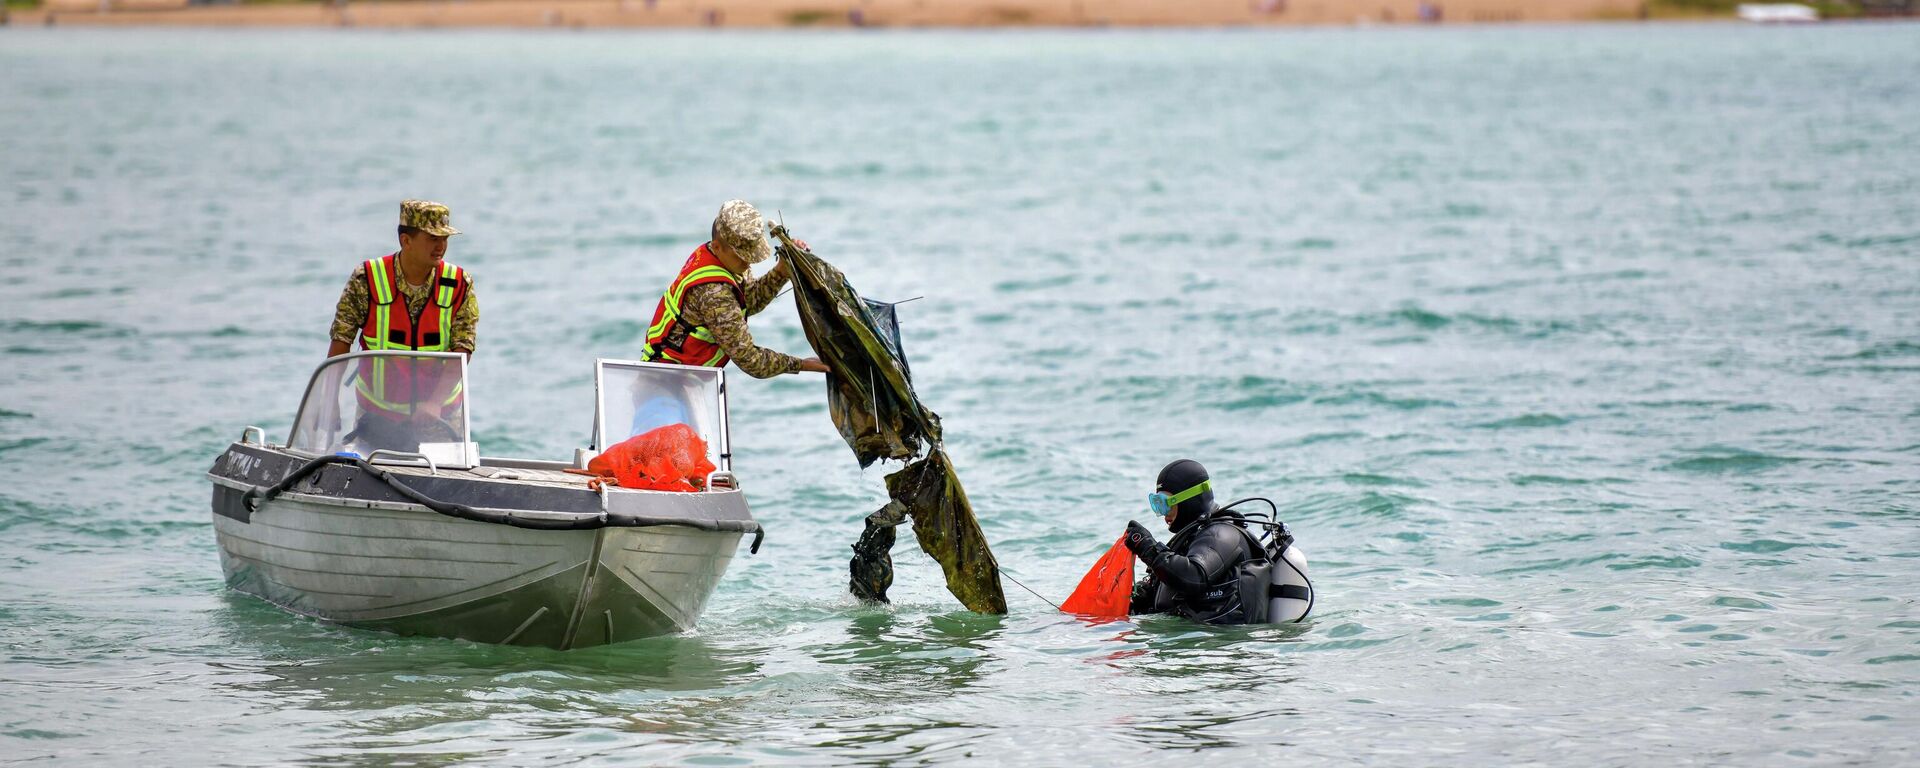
1583,362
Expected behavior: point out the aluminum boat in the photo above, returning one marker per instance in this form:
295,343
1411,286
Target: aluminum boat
380,513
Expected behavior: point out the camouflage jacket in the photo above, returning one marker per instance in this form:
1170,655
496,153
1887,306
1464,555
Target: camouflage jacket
350,315
713,306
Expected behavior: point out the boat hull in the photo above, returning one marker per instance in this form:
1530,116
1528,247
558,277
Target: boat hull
403,568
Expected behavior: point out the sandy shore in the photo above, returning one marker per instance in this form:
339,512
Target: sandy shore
828,13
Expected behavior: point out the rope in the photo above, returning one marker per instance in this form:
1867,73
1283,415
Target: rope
1003,572
258,496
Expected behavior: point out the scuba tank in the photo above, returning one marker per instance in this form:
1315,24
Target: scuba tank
1289,593
1273,590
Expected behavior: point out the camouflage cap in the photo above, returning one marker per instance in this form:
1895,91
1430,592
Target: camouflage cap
427,216
741,228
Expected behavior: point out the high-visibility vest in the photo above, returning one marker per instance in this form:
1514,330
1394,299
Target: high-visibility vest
670,338
386,385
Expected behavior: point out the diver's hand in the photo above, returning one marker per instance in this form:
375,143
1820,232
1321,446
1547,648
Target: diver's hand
813,365
1139,539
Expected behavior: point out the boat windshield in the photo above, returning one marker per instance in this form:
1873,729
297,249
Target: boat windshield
405,402
636,398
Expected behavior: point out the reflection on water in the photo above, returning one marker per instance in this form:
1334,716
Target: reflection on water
405,690
392,671
898,660
1201,728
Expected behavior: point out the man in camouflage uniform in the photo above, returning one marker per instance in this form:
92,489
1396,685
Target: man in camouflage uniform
702,318
408,300
424,229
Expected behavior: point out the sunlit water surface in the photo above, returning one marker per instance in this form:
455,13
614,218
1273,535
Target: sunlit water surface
1583,361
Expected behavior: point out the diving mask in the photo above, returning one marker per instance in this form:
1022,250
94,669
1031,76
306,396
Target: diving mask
1162,503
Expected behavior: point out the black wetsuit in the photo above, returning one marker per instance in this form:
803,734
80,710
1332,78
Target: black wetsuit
1193,574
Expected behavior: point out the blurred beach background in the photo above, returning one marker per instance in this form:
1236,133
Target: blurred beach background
1582,359
774,14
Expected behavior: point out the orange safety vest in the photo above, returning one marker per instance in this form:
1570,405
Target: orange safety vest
384,385
670,338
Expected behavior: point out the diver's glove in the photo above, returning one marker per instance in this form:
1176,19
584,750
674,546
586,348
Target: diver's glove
1141,600
1139,539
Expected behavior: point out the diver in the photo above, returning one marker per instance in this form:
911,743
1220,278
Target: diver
1214,570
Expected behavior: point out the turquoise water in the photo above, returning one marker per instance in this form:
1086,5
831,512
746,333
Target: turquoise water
1582,360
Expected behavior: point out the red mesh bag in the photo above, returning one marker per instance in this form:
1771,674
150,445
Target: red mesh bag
671,458
1107,589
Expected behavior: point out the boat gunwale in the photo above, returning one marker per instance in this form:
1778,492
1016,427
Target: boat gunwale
732,511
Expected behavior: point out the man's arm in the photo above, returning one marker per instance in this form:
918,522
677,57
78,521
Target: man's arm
349,314
466,321
712,305
762,290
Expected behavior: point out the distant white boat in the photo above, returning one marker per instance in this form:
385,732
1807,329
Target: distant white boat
1778,13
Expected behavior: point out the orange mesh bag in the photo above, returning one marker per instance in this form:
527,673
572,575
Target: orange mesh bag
1107,589
670,458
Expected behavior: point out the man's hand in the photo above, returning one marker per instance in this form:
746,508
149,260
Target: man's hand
1139,539
813,365
425,413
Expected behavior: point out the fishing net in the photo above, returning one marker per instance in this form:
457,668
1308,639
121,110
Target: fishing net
1107,589
871,568
870,396
886,324
943,522
670,458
